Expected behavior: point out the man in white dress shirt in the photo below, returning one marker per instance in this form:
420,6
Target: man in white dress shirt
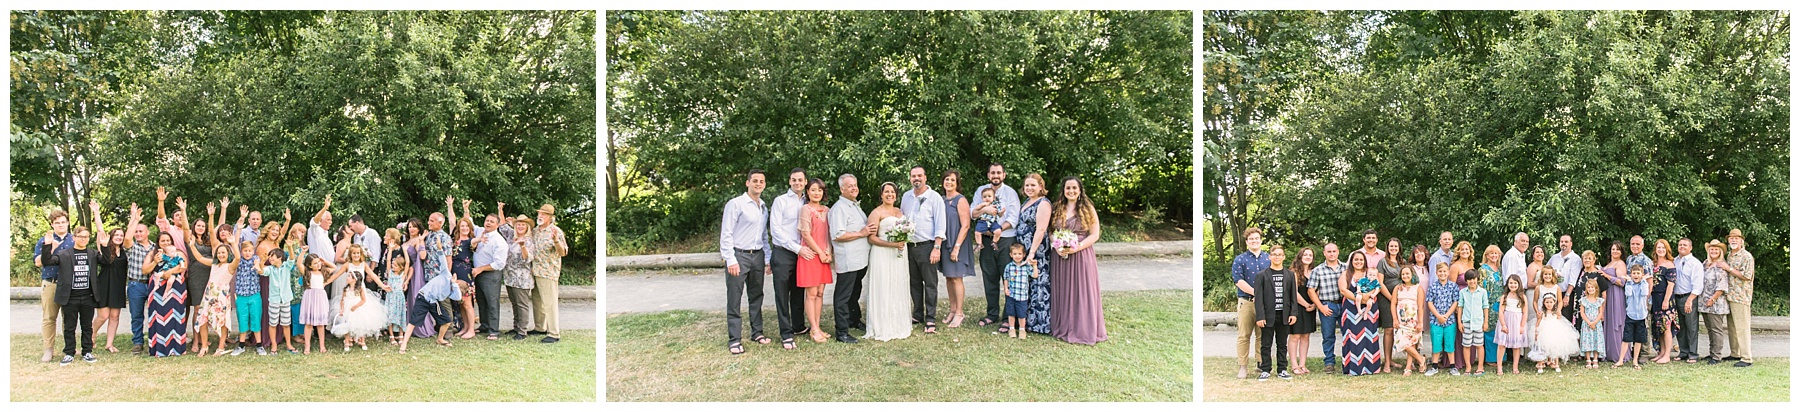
994,260
925,207
490,260
1690,274
746,253
1513,262
1568,266
784,233
850,231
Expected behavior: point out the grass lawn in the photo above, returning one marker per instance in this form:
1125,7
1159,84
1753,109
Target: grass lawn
472,371
1765,382
681,356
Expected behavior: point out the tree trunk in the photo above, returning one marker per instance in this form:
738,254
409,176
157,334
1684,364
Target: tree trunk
612,167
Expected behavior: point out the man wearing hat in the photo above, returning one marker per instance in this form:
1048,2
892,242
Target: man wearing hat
1742,269
548,248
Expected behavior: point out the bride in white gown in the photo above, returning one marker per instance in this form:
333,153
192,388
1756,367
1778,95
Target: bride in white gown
890,300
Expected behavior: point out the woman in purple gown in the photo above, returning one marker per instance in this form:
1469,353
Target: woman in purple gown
1075,309
415,247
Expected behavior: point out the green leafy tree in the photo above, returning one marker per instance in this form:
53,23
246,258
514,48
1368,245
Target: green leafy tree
701,97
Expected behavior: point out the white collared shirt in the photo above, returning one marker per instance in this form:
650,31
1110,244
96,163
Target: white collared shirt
1568,266
847,216
784,219
492,252
744,226
927,214
1513,263
1690,274
1009,205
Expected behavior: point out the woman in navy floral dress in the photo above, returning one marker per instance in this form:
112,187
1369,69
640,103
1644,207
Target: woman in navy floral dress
1034,219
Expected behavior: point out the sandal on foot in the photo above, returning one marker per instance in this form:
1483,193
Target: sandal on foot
930,327
985,322
760,339
736,348
787,343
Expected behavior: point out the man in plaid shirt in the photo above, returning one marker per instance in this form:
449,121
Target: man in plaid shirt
1017,276
137,286
1322,287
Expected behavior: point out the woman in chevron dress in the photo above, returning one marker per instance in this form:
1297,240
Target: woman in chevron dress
1363,353
167,323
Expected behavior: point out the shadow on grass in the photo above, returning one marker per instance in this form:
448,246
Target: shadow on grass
475,370
1672,382
681,356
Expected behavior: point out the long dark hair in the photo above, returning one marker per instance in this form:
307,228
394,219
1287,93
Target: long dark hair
1084,208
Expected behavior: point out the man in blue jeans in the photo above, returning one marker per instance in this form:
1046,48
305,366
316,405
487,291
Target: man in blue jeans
137,288
1322,287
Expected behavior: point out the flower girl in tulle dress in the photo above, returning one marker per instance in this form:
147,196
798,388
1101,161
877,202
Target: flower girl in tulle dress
1556,338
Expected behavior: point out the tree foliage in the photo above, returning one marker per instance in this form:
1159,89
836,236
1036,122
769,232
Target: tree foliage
388,111
698,98
1600,125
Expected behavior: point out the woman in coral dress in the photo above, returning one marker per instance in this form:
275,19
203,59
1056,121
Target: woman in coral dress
814,273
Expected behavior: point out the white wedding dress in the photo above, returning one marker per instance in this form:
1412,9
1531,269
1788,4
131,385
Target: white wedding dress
890,299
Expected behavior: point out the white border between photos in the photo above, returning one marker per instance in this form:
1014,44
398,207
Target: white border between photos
1196,6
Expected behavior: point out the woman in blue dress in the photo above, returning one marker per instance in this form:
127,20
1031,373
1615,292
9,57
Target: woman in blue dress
1033,229
167,322
958,252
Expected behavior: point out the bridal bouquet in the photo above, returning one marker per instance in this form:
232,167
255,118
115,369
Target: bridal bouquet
900,233
1063,238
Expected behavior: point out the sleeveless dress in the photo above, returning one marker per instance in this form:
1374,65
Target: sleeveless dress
814,272
1512,314
396,298
1307,321
1076,315
1592,339
199,274
414,257
1663,320
1390,277
313,302
890,298
1361,334
1556,338
363,321
1037,310
1615,315
111,293
218,310
965,258
1406,310
168,311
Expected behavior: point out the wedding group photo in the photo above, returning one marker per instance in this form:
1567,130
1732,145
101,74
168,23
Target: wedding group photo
1496,206
324,206
899,205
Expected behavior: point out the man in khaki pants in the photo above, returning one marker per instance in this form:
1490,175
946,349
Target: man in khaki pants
549,246
1244,269
1742,269
53,242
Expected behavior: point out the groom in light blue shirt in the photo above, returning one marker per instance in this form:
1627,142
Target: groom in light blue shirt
996,258
926,210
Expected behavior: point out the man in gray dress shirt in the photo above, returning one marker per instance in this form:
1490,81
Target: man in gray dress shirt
850,232
925,207
993,260
745,250
784,232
